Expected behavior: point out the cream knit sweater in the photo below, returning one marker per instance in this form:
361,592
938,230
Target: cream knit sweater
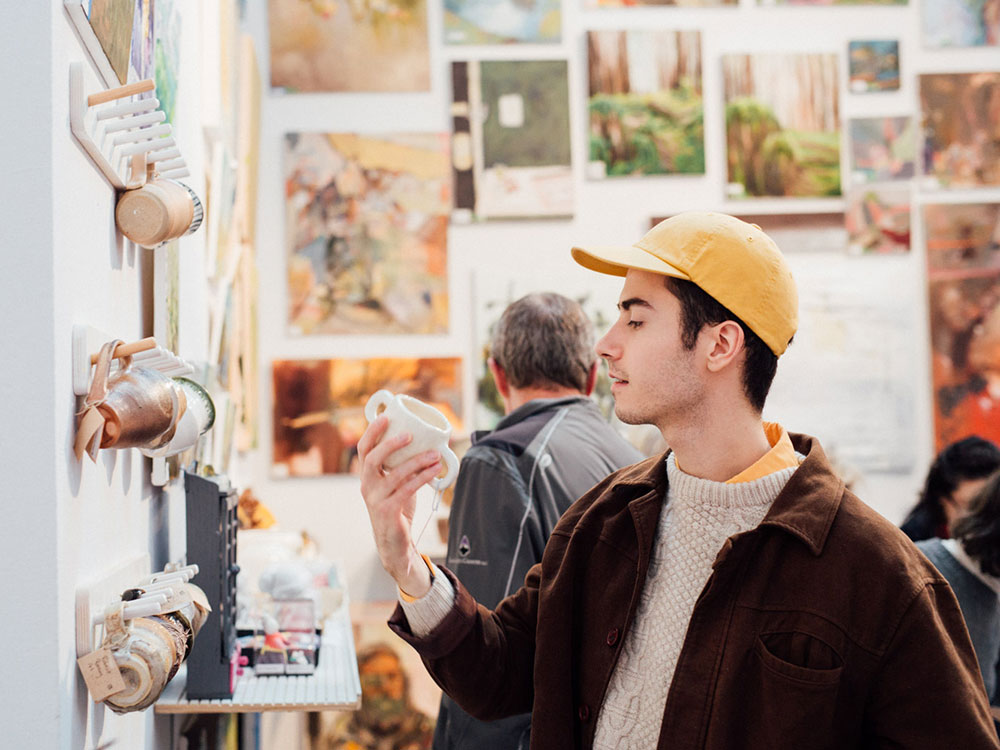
698,516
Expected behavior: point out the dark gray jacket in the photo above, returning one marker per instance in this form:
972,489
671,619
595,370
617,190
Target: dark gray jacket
513,485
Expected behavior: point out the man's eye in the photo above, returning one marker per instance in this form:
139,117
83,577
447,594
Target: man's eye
634,323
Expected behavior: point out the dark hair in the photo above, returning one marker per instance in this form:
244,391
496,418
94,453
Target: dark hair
700,309
978,531
544,340
969,458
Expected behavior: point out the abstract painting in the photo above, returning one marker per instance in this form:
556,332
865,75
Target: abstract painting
112,22
318,406
782,125
502,21
961,121
882,149
960,23
166,54
873,66
878,219
646,109
963,274
143,40
366,230
361,45
511,141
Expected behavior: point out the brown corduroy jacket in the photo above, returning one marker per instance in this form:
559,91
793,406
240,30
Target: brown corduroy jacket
824,627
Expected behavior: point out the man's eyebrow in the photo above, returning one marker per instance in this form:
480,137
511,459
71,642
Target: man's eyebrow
636,301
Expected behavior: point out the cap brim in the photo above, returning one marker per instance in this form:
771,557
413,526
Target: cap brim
616,260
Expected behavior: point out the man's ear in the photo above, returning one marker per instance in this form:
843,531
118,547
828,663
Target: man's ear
591,378
499,377
725,342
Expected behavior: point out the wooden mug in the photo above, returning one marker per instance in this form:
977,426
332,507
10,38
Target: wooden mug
159,211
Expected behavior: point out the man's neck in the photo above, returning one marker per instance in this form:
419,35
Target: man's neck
718,449
520,396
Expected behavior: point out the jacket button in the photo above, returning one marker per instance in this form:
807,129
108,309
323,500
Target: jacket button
583,712
612,636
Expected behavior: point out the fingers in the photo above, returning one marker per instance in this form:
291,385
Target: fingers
415,473
372,435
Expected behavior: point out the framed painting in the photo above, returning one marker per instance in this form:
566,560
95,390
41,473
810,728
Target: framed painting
502,21
873,66
782,125
878,219
511,139
105,28
645,107
961,121
963,276
366,232
960,23
364,46
882,149
318,406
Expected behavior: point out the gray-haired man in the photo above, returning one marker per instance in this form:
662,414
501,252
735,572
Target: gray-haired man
516,481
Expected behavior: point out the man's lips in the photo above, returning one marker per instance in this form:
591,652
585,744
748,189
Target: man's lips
617,380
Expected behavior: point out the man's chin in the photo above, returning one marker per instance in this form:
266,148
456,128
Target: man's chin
629,417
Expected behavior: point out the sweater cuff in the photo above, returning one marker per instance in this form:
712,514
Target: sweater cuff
427,612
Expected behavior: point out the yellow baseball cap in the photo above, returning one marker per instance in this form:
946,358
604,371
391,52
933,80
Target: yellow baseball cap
731,260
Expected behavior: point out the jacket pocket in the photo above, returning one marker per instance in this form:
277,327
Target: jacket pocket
792,686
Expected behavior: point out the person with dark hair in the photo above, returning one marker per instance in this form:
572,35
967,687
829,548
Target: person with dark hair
515,482
970,560
957,474
731,593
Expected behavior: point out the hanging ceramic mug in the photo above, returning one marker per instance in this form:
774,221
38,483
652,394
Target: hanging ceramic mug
146,654
159,211
198,418
430,429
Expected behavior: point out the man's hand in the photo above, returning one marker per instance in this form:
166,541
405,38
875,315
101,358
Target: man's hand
390,495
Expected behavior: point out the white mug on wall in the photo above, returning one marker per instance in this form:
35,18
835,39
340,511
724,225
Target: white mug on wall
428,426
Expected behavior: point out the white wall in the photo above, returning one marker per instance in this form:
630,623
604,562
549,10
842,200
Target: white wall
612,211
70,522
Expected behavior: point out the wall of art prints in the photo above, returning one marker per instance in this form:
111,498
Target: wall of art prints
960,23
645,106
511,150
961,116
963,276
878,219
368,45
873,66
366,228
782,125
319,405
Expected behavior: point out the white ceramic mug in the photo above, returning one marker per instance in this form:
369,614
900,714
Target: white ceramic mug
428,426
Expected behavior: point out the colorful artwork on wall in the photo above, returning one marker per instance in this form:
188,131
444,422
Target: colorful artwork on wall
502,21
963,274
112,22
399,700
645,107
878,219
166,54
882,149
366,231
364,45
143,39
873,66
318,406
511,143
960,23
961,121
782,125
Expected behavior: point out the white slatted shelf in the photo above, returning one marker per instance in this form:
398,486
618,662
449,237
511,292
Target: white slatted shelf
335,685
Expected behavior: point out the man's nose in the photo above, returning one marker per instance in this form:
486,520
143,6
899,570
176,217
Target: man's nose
607,347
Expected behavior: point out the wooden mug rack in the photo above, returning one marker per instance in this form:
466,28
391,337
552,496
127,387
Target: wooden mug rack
123,135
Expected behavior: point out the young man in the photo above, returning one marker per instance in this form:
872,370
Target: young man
516,481
730,594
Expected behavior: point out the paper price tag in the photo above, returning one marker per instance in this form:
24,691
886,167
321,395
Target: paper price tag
101,673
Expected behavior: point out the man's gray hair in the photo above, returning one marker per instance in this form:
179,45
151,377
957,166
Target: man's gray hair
544,340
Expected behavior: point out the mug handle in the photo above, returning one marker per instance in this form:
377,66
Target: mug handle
451,461
379,398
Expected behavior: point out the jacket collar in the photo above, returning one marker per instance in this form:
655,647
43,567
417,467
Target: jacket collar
526,410
805,507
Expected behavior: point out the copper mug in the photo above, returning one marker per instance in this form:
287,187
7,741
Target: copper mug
141,407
